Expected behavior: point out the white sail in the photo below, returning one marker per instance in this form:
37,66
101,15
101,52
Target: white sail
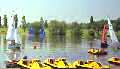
10,31
112,33
17,37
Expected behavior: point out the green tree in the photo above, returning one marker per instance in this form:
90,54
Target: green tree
91,19
0,21
92,25
57,28
76,29
41,22
52,26
5,21
36,26
16,20
100,24
46,24
116,25
91,34
24,23
62,28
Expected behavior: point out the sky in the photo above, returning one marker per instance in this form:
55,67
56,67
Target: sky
67,10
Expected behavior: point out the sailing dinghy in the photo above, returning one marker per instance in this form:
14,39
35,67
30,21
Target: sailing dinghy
12,36
14,45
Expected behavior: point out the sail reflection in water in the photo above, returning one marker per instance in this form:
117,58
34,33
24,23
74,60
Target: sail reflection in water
14,54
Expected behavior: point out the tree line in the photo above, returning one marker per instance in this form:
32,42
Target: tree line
15,18
55,27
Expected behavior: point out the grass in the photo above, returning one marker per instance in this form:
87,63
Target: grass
21,31
3,30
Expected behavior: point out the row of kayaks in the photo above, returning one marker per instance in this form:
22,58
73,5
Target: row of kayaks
79,64
60,63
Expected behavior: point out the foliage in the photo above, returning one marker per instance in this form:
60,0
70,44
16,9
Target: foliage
93,28
118,35
5,21
116,25
91,19
46,24
57,28
75,29
16,20
41,22
36,26
0,21
24,23
91,34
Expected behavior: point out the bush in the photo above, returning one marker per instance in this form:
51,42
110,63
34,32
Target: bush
36,26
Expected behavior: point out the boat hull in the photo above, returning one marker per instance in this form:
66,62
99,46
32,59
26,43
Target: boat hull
104,45
53,67
98,53
115,63
11,64
14,46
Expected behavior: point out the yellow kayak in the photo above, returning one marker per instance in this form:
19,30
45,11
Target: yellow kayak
97,51
59,63
90,65
31,64
114,60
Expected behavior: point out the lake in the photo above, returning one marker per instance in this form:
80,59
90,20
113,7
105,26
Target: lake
58,46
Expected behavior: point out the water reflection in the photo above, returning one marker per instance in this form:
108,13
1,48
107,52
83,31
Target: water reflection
14,54
75,39
23,38
4,43
31,37
57,41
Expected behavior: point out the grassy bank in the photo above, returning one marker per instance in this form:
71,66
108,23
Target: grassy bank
3,30
21,31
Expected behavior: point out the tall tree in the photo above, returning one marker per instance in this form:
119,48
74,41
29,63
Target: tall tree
41,22
91,19
0,21
5,21
92,23
16,20
46,24
24,23
76,29
56,27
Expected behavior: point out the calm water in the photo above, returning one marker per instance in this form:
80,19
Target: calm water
72,49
